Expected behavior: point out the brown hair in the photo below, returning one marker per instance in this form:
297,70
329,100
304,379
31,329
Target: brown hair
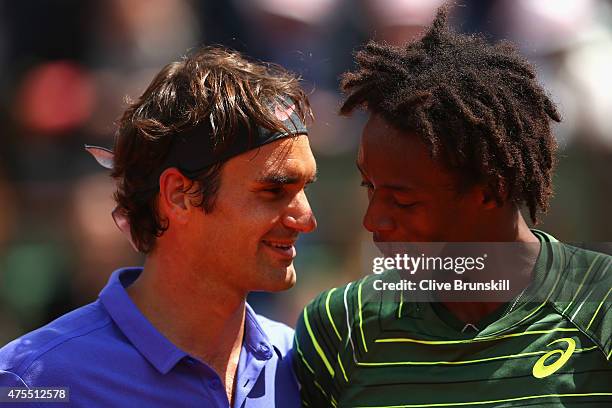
478,107
213,88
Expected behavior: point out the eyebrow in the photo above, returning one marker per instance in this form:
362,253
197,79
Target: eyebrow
397,187
279,178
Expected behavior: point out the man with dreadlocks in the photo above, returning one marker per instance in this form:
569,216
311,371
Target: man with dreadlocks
458,139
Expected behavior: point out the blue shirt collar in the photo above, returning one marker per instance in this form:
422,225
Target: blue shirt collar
152,344
255,338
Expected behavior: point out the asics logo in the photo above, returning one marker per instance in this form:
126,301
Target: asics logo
540,370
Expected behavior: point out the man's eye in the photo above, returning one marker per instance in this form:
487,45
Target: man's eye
273,191
405,204
367,185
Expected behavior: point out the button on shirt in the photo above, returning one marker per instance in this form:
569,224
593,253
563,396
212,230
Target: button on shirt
110,355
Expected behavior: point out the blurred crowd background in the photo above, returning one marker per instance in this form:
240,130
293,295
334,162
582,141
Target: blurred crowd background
67,66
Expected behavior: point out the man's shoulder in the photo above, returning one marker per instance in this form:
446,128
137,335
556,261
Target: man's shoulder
56,344
580,257
331,315
358,296
330,329
583,297
585,277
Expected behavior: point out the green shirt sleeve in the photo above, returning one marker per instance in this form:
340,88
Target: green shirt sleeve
318,341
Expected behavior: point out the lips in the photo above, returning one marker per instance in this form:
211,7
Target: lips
284,249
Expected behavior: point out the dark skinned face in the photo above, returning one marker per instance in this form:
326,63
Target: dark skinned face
413,198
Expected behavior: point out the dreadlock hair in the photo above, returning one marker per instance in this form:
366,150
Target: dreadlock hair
478,108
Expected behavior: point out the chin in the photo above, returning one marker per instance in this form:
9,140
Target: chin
279,279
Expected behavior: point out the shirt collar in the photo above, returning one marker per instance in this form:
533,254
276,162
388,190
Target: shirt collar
540,291
153,345
255,338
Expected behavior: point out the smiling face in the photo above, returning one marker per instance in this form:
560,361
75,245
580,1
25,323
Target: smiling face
260,210
412,198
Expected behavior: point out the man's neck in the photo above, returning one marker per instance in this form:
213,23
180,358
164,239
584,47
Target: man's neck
203,317
518,232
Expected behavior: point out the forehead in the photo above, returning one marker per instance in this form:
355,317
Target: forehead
397,157
289,156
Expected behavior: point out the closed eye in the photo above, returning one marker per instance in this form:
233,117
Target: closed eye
405,205
366,184
404,202
272,191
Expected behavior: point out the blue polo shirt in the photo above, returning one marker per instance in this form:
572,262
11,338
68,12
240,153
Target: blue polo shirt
110,355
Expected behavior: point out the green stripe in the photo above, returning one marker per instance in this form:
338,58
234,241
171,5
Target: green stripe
315,343
361,317
480,360
329,314
528,397
342,368
598,307
399,311
581,283
474,340
302,356
317,385
321,389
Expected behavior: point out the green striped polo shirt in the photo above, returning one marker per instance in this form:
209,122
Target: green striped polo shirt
355,347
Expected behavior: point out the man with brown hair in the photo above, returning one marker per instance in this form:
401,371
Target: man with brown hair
211,163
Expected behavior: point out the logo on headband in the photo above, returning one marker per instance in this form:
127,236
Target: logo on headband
283,113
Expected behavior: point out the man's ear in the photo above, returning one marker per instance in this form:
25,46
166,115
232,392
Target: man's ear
173,200
490,194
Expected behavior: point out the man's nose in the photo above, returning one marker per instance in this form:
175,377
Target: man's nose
377,217
299,215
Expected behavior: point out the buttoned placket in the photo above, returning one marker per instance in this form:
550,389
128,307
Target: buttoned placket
211,383
254,365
